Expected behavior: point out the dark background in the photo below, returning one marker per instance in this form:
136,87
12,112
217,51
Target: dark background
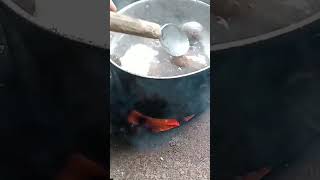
53,102
266,105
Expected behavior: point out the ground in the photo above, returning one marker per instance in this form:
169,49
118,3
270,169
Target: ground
180,154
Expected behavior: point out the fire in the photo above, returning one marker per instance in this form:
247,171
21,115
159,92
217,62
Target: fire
156,125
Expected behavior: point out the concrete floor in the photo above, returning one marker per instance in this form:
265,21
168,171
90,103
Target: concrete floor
180,154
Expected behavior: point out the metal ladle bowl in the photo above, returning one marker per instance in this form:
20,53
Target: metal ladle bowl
174,40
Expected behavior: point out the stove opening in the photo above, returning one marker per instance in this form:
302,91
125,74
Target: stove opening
155,125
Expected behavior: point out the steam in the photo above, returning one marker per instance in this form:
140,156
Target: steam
138,59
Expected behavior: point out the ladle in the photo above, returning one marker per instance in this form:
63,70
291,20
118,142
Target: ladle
171,37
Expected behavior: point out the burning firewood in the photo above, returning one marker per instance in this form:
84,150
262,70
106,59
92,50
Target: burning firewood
160,125
156,125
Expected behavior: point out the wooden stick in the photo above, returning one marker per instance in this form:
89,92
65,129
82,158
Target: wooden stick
128,25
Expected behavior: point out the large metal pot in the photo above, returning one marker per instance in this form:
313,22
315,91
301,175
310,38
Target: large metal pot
164,97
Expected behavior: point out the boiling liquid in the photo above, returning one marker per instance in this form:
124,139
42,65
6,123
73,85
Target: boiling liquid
146,57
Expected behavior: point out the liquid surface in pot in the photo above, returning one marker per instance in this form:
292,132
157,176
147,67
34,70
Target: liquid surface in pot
235,20
146,57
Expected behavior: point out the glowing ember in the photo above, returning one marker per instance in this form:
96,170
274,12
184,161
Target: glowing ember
156,125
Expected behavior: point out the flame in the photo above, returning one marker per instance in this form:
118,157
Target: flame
160,125
156,125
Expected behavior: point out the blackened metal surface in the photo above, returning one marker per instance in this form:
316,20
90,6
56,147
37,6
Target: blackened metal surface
167,98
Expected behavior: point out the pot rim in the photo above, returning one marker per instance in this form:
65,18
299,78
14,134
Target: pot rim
31,19
155,77
266,36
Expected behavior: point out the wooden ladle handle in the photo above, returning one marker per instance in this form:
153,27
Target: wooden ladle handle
128,25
